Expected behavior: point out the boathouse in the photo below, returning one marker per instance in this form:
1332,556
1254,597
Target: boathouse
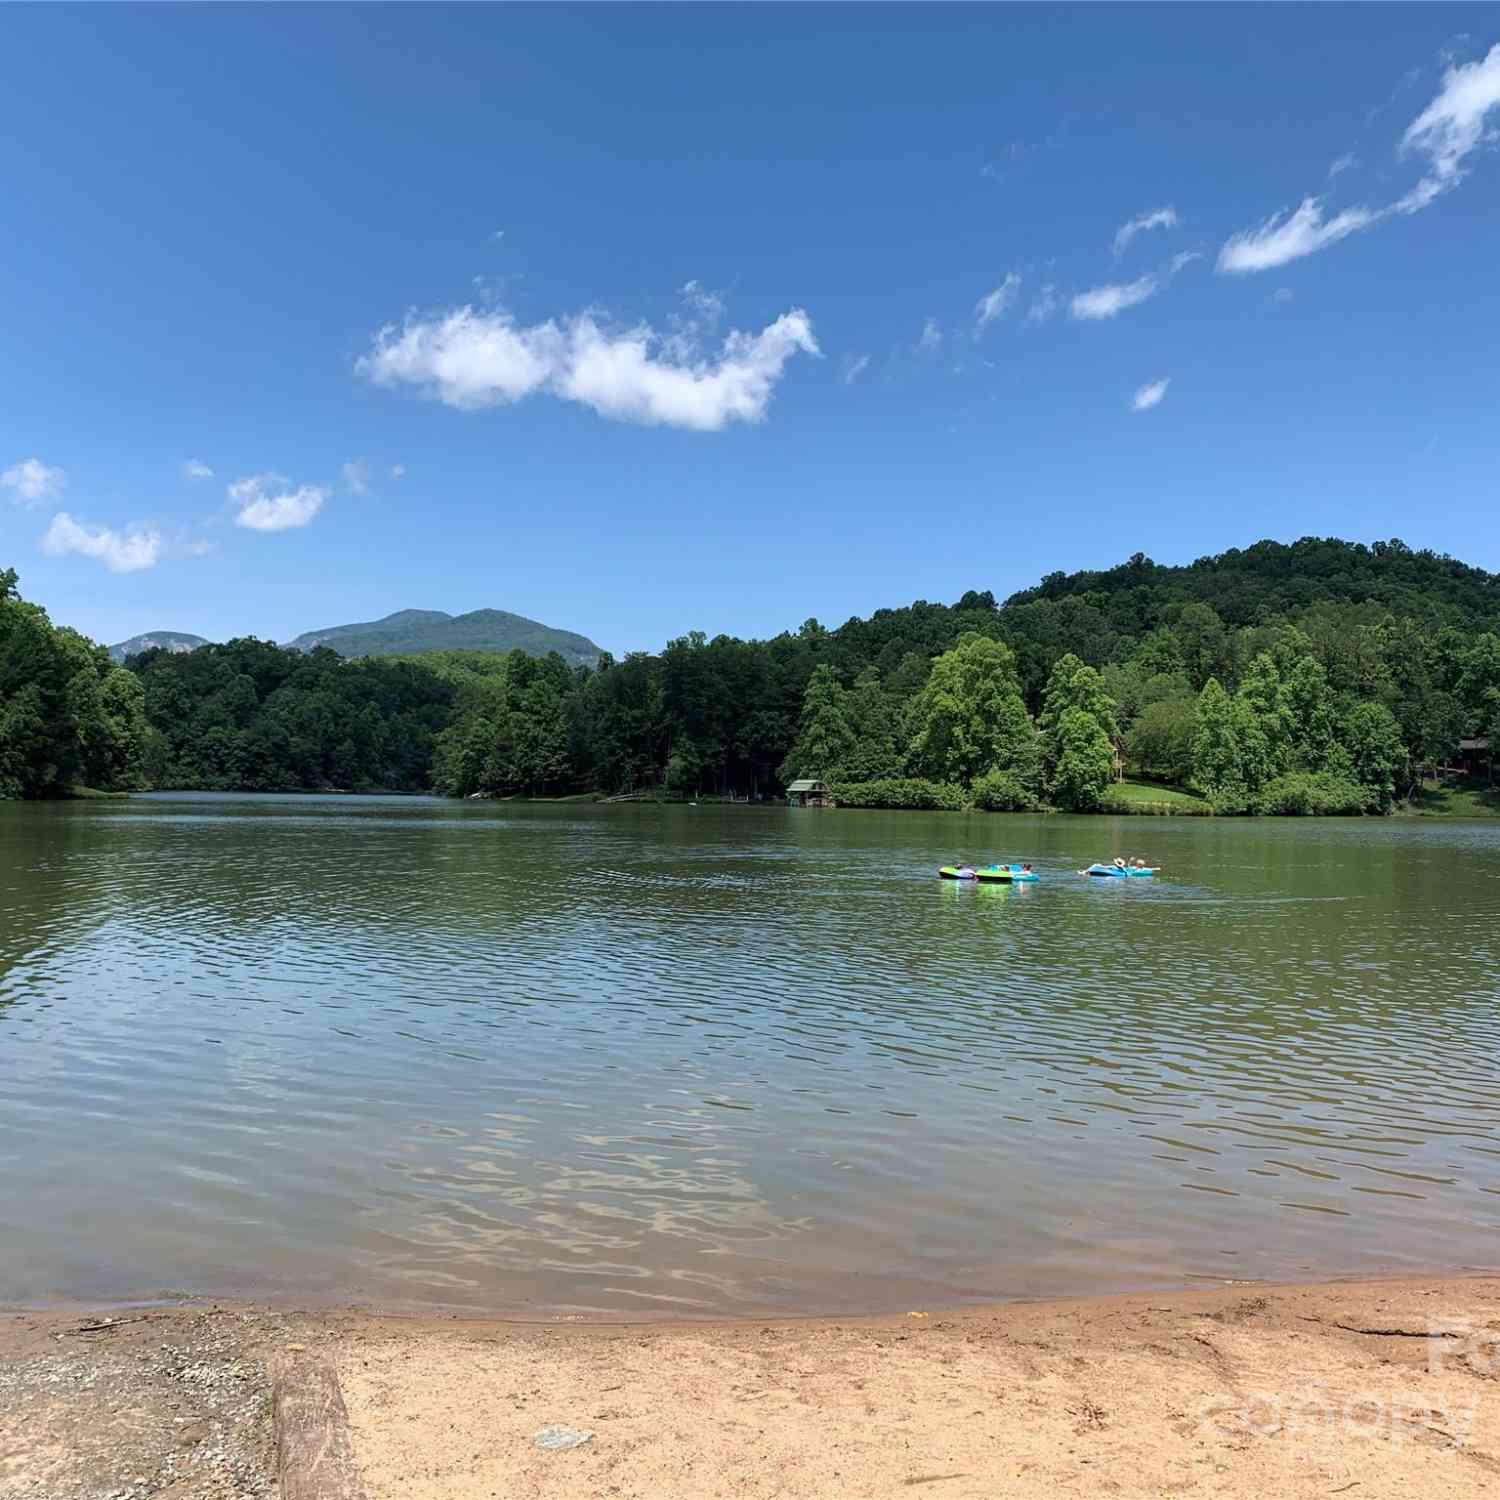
809,793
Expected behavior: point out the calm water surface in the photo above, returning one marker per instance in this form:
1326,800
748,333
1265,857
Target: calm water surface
641,1060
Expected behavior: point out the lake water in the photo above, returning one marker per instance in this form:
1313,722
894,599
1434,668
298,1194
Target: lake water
640,1060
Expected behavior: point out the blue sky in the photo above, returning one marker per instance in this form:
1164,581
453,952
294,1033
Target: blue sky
644,320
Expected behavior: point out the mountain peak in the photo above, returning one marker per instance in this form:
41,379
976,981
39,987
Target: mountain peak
406,633
155,640
409,631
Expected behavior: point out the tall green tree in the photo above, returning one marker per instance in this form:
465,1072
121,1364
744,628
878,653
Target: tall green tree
1078,714
826,738
68,717
1085,761
968,717
875,717
1231,759
1372,743
1160,742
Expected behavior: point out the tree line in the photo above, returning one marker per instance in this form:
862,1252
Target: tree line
1320,676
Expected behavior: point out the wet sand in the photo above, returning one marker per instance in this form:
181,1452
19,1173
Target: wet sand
1372,1389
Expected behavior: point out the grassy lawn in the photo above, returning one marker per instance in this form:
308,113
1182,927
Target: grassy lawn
1148,796
1471,799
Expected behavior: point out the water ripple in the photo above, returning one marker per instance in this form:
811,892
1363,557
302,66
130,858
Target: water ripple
594,1060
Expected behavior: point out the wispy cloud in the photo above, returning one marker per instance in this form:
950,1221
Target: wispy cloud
1287,237
1113,298
266,502
130,551
994,304
356,476
932,337
1150,394
854,368
32,482
1157,218
1043,305
472,359
1015,152
1453,124
1447,132
707,306
1342,163
398,471
195,468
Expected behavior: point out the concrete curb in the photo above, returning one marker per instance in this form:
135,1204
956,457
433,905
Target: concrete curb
314,1455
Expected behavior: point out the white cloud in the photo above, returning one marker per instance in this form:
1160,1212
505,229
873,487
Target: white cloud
1150,394
1045,304
854,368
195,468
1158,218
131,551
1106,301
471,359
468,359
1289,236
1447,132
994,304
398,471
1453,124
356,476
1342,164
931,339
1185,258
264,502
33,481
617,376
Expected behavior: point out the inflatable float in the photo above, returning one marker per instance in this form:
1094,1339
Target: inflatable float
1116,872
1004,874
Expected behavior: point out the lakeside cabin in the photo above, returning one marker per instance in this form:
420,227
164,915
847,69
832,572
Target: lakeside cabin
809,793
1474,756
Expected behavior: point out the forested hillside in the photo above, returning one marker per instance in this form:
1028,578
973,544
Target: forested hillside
255,716
68,715
1320,676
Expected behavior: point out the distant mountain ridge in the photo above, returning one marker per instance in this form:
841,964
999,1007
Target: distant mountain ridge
409,631
406,633
155,640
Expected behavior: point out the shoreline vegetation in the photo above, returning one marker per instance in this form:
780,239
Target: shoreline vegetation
1320,678
1243,1389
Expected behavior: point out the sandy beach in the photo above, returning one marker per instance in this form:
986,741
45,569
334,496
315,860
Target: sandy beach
1387,1388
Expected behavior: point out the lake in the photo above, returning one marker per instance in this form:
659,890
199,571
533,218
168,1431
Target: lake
601,1061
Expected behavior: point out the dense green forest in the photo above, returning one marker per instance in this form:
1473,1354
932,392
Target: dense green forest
68,715
1320,676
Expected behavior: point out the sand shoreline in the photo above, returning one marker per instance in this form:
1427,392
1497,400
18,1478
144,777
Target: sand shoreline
1379,1387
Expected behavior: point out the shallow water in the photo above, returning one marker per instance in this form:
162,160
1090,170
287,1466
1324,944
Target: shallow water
642,1060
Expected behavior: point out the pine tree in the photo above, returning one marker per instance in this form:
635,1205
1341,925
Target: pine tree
826,740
